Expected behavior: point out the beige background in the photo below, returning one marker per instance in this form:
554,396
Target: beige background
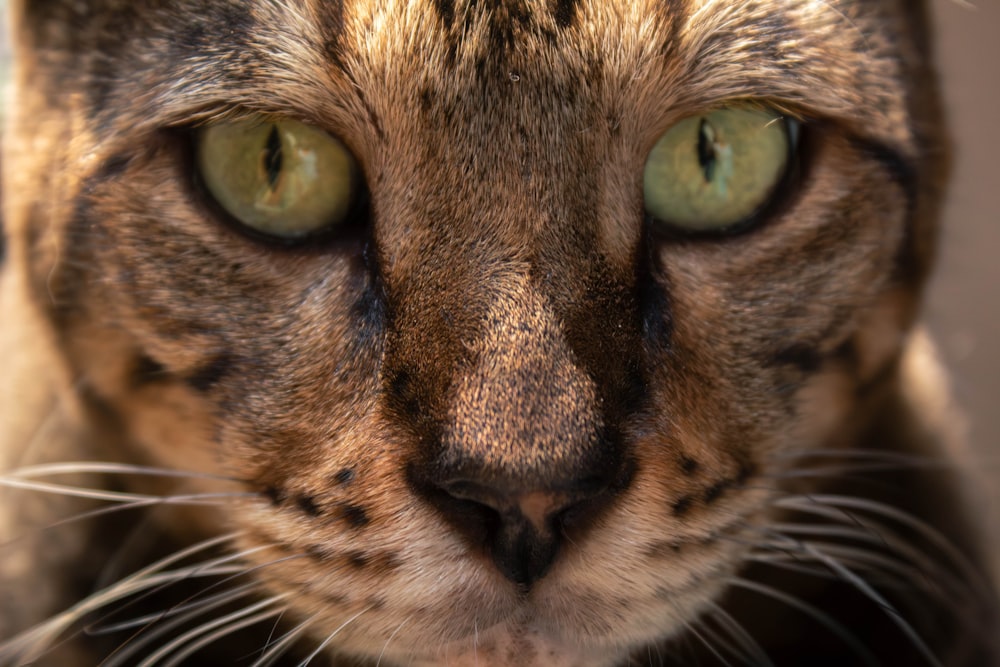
964,304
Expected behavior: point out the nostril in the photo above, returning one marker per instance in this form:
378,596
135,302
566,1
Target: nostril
518,521
521,530
540,508
473,491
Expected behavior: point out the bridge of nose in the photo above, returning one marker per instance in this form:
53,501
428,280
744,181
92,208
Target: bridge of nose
526,416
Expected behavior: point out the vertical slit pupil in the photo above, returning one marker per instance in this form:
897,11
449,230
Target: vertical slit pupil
706,149
273,157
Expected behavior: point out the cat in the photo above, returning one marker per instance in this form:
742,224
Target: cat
477,332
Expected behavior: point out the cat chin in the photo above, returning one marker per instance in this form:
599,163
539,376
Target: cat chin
528,637
512,646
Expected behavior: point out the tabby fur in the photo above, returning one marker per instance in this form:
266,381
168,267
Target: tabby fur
739,434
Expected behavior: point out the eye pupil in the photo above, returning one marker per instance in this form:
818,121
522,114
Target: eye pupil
714,171
706,149
280,177
272,157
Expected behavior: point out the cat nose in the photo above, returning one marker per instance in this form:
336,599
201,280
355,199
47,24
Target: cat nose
521,528
522,452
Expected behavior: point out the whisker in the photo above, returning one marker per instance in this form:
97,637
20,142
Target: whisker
330,637
229,623
709,644
156,617
149,634
203,499
110,468
228,574
970,572
33,642
118,496
385,646
826,530
222,632
880,533
860,585
937,582
272,651
747,643
823,618
892,575
908,568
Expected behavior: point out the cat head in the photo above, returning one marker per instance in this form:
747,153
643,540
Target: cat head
487,380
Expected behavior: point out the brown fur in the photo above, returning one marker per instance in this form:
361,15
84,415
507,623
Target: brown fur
505,314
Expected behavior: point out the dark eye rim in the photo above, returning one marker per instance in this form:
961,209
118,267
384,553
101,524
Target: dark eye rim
782,196
355,226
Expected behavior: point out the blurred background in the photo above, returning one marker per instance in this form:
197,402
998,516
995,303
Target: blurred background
963,306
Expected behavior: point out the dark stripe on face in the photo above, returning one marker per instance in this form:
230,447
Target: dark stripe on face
915,253
146,370
61,287
899,169
206,377
330,15
111,168
804,357
654,301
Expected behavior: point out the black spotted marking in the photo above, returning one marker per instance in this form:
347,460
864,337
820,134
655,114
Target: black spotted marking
355,516
146,370
745,472
715,491
446,12
426,100
688,465
276,495
344,476
381,563
209,375
308,505
336,599
319,552
663,548
373,118
564,12
847,354
682,505
357,560
401,389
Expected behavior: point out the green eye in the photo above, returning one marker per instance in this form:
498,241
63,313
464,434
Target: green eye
281,178
713,171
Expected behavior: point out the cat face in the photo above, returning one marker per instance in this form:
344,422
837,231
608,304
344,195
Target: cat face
497,409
